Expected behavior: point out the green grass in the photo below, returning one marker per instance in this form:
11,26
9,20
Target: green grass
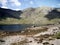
31,20
57,35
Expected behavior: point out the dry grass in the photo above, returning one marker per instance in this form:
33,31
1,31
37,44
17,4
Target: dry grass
33,32
20,43
25,32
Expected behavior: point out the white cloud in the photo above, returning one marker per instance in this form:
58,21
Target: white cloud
15,2
31,2
17,9
4,7
3,2
12,2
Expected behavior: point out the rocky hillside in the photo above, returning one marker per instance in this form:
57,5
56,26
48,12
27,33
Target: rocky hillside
40,15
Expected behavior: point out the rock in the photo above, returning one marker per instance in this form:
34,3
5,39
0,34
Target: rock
45,43
50,38
52,44
2,40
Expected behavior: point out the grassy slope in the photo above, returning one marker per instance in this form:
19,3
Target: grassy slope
32,16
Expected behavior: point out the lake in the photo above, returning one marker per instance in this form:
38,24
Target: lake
14,27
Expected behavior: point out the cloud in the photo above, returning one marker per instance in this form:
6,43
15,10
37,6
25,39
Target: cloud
17,9
4,7
31,2
15,2
4,3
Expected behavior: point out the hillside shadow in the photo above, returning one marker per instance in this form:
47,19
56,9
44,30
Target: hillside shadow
7,13
53,14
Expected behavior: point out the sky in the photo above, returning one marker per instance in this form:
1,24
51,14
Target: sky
23,4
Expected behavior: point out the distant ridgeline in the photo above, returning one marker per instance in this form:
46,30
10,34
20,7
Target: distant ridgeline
40,15
8,13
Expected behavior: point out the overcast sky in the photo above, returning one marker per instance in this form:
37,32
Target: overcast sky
22,4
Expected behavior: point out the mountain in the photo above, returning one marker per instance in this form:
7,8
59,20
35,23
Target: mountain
5,13
55,13
40,15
